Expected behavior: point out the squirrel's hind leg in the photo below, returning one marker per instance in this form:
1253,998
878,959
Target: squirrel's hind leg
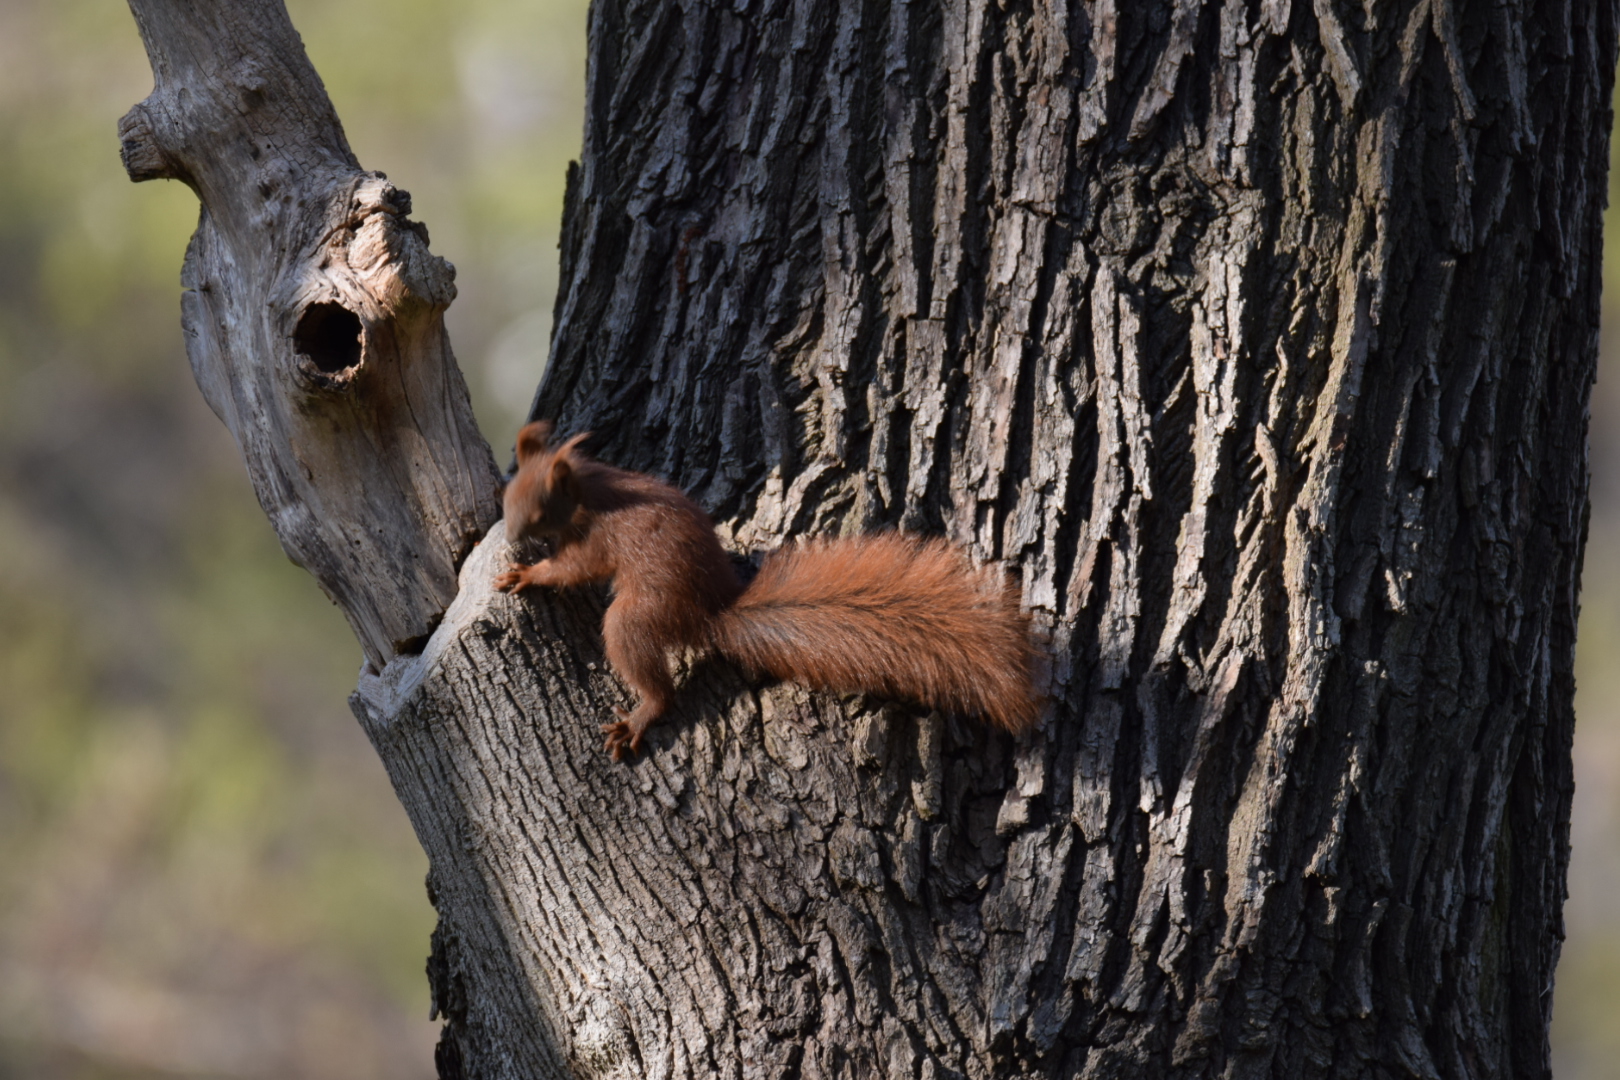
639,658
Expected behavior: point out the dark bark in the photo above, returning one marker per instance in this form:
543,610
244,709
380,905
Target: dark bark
1257,340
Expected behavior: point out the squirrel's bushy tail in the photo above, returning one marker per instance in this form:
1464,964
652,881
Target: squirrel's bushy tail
894,615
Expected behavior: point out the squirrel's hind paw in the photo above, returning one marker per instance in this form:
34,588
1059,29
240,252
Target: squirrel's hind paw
620,737
622,734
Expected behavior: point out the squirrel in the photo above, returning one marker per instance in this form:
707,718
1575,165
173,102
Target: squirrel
889,614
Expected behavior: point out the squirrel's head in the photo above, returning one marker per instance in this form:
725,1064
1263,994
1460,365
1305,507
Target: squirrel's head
544,492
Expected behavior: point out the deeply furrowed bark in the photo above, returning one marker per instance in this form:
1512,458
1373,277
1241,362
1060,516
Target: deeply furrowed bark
1257,340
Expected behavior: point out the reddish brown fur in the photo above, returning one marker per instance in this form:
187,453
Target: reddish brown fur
893,615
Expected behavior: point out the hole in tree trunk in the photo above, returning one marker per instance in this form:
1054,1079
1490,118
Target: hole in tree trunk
329,334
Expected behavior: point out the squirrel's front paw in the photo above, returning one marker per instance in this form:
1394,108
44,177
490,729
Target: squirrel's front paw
514,579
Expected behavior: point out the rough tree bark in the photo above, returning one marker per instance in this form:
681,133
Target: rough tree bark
1256,338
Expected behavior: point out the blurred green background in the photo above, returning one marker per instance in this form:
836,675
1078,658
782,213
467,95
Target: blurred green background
205,872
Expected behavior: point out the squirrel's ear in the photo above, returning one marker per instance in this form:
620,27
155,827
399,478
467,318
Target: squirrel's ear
533,439
573,443
562,477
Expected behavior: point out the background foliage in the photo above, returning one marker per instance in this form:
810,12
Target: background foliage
203,872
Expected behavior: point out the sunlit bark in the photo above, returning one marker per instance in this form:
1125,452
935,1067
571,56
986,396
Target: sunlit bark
1255,339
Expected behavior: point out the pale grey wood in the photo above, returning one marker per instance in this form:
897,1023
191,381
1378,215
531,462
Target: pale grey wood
1257,339
358,434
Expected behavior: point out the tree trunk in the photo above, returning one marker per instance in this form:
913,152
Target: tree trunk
1256,339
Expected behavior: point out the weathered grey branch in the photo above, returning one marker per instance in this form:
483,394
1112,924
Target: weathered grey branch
314,319
1256,338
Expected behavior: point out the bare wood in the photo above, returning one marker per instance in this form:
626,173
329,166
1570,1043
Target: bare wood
1256,338
314,319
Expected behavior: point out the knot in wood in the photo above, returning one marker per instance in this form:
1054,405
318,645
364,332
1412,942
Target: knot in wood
141,149
388,252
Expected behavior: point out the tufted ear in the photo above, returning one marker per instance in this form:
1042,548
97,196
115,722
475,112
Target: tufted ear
533,440
562,477
572,444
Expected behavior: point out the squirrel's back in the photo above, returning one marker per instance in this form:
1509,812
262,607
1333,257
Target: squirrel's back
889,614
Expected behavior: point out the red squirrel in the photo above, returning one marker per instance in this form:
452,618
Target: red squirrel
888,614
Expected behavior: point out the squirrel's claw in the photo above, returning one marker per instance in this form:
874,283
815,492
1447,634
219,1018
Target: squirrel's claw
513,579
621,735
